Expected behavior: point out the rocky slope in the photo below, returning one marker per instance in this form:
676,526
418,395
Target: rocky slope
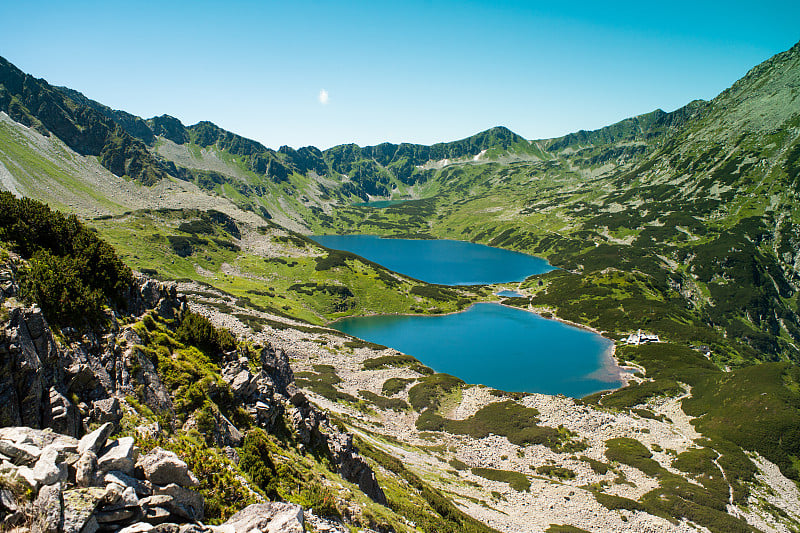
55,391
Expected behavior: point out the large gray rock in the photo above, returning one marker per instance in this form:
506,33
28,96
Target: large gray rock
270,517
185,503
48,509
86,474
48,468
163,467
24,368
21,453
120,454
141,487
139,527
107,410
79,505
96,440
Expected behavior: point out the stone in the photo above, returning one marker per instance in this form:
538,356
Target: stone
272,517
155,515
192,528
115,515
106,411
48,509
139,527
167,528
79,505
48,469
185,503
86,470
61,415
64,446
163,467
8,501
96,440
119,455
142,487
352,466
22,453
25,475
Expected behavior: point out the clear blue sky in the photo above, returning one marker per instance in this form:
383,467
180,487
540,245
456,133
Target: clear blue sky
410,71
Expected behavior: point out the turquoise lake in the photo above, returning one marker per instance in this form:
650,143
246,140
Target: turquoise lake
441,261
497,346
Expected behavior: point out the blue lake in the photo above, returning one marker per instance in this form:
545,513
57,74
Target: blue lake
497,346
509,294
441,261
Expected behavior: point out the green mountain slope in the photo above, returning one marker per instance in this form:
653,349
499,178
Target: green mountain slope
37,104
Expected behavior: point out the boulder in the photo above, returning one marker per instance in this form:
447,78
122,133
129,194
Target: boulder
155,508
141,487
107,410
61,415
185,503
86,474
96,440
163,467
21,453
139,527
48,509
272,517
119,455
115,515
48,469
79,505
352,466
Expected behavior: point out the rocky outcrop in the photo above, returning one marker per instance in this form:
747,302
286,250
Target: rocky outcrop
32,391
38,379
71,488
269,392
353,467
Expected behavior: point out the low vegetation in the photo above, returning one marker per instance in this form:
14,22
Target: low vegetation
72,274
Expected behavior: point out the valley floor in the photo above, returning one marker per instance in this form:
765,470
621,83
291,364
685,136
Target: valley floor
563,484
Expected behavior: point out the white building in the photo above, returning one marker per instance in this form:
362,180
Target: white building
641,338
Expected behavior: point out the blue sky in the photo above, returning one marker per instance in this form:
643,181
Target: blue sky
411,71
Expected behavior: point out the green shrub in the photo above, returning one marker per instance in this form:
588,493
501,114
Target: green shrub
515,480
256,462
559,528
198,331
394,385
395,404
555,471
633,453
598,467
429,391
55,284
320,499
615,503
73,271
